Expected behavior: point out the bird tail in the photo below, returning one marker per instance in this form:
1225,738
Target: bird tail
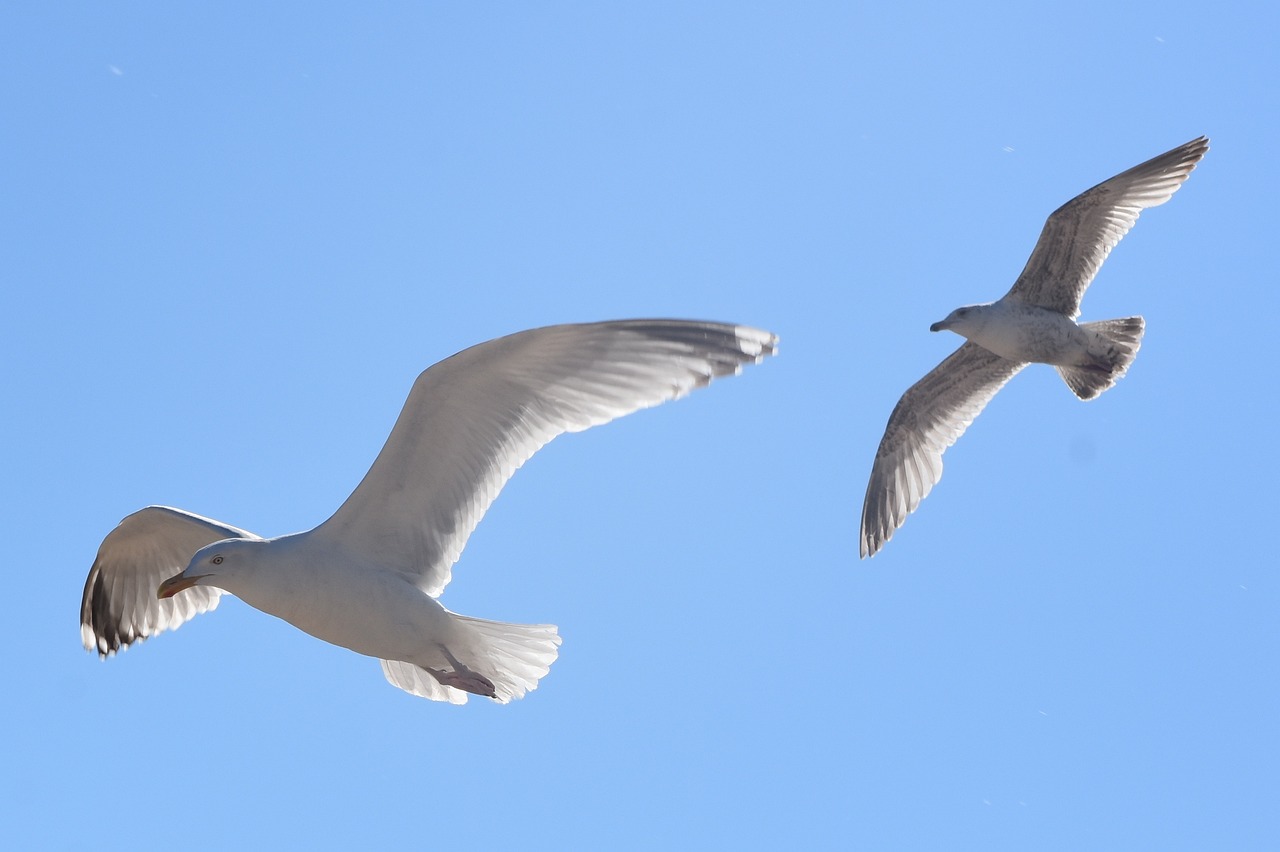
1113,347
500,660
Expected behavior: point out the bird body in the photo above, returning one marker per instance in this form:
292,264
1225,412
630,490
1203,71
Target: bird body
340,597
332,594
1031,334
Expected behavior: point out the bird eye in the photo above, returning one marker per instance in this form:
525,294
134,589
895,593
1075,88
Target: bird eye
217,560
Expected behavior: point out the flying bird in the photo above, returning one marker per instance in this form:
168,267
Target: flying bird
368,578
1034,322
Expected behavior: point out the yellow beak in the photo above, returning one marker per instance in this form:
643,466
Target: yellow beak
177,583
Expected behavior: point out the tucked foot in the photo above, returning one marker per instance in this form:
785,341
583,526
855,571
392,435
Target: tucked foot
461,677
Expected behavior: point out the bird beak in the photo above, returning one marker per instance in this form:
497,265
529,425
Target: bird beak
177,583
939,326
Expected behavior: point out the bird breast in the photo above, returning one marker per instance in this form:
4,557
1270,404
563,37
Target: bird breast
368,610
1027,333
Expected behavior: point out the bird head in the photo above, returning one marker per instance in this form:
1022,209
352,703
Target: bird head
961,320
212,565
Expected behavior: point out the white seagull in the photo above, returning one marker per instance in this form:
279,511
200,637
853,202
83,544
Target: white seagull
367,579
1034,322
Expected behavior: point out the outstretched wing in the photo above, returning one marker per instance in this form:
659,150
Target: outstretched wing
1080,234
473,419
931,415
120,604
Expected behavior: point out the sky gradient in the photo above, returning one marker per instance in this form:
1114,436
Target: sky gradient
236,235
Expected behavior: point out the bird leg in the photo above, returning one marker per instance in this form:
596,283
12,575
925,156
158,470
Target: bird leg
461,677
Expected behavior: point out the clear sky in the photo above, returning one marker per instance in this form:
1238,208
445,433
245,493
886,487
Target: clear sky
234,233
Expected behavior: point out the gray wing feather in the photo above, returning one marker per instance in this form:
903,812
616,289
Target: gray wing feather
120,606
1080,234
931,416
471,420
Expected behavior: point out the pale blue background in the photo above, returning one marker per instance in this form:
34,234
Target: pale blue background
234,233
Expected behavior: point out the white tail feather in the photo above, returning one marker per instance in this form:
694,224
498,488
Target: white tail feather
513,657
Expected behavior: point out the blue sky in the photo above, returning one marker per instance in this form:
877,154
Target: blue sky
234,235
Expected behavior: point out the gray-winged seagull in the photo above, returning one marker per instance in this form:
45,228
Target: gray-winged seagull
1034,322
368,577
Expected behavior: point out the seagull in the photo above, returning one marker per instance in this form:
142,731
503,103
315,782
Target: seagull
367,579
1034,322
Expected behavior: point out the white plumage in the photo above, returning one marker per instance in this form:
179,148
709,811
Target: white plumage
367,578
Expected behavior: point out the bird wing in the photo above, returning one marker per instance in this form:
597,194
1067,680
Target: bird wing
1080,234
473,419
120,604
931,415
